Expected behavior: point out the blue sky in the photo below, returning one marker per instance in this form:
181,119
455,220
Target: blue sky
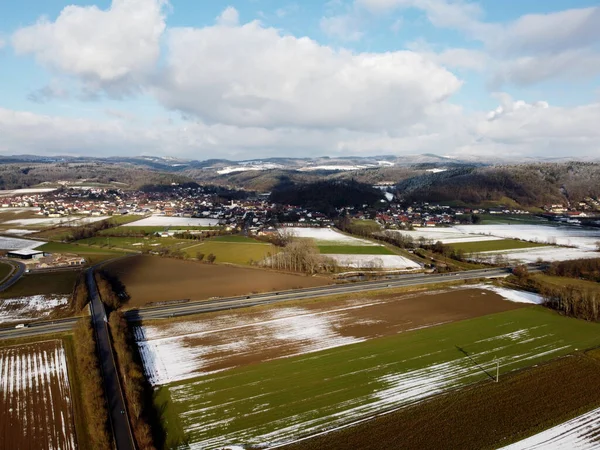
257,78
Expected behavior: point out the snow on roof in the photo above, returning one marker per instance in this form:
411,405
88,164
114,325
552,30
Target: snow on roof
25,252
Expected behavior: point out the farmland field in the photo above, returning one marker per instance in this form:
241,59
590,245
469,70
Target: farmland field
582,432
165,221
351,252
483,416
35,397
92,255
46,283
498,244
10,243
354,250
232,249
257,403
150,279
136,243
223,341
5,270
125,230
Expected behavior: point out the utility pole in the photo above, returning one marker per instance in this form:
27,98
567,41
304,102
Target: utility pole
497,370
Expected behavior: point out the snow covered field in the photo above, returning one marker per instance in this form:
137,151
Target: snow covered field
165,221
35,398
531,255
326,236
170,354
449,235
374,261
581,433
35,306
25,191
18,231
512,295
9,243
560,235
213,423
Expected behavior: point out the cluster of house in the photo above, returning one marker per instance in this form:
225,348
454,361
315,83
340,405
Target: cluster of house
255,213
432,215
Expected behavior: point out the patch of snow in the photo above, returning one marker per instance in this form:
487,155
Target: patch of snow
531,255
233,169
449,235
166,221
579,433
326,236
18,232
374,261
26,191
559,235
334,167
35,306
436,170
9,243
512,295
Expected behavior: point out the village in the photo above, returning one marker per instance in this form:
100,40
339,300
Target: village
254,213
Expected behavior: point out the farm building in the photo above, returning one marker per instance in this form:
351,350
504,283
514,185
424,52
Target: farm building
25,253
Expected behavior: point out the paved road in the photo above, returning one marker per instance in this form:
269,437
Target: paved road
15,276
112,386
197,307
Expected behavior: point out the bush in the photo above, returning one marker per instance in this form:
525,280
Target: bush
80,295
112,291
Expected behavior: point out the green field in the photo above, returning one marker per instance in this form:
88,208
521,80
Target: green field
5,270
93,255
488,246
283,399
232,249
42,283
355,250
137,243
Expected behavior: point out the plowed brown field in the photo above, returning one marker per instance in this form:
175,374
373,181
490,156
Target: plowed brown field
35,398
151,279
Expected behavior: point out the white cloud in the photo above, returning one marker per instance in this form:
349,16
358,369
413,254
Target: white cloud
259,77
287,10
527,70
111,49
345,27
459,14
549,33
514,130
2,43
229,17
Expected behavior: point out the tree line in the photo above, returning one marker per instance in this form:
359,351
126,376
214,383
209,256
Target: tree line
92,392
138,392
299,255
587,269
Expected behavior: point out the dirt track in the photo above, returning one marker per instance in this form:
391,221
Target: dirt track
152,279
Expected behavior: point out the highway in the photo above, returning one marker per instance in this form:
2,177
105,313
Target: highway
197,307
204,306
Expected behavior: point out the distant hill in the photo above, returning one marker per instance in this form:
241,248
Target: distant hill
527,184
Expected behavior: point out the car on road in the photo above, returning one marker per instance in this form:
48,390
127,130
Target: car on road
22,325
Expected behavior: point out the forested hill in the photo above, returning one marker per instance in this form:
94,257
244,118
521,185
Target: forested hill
327,195
527,185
